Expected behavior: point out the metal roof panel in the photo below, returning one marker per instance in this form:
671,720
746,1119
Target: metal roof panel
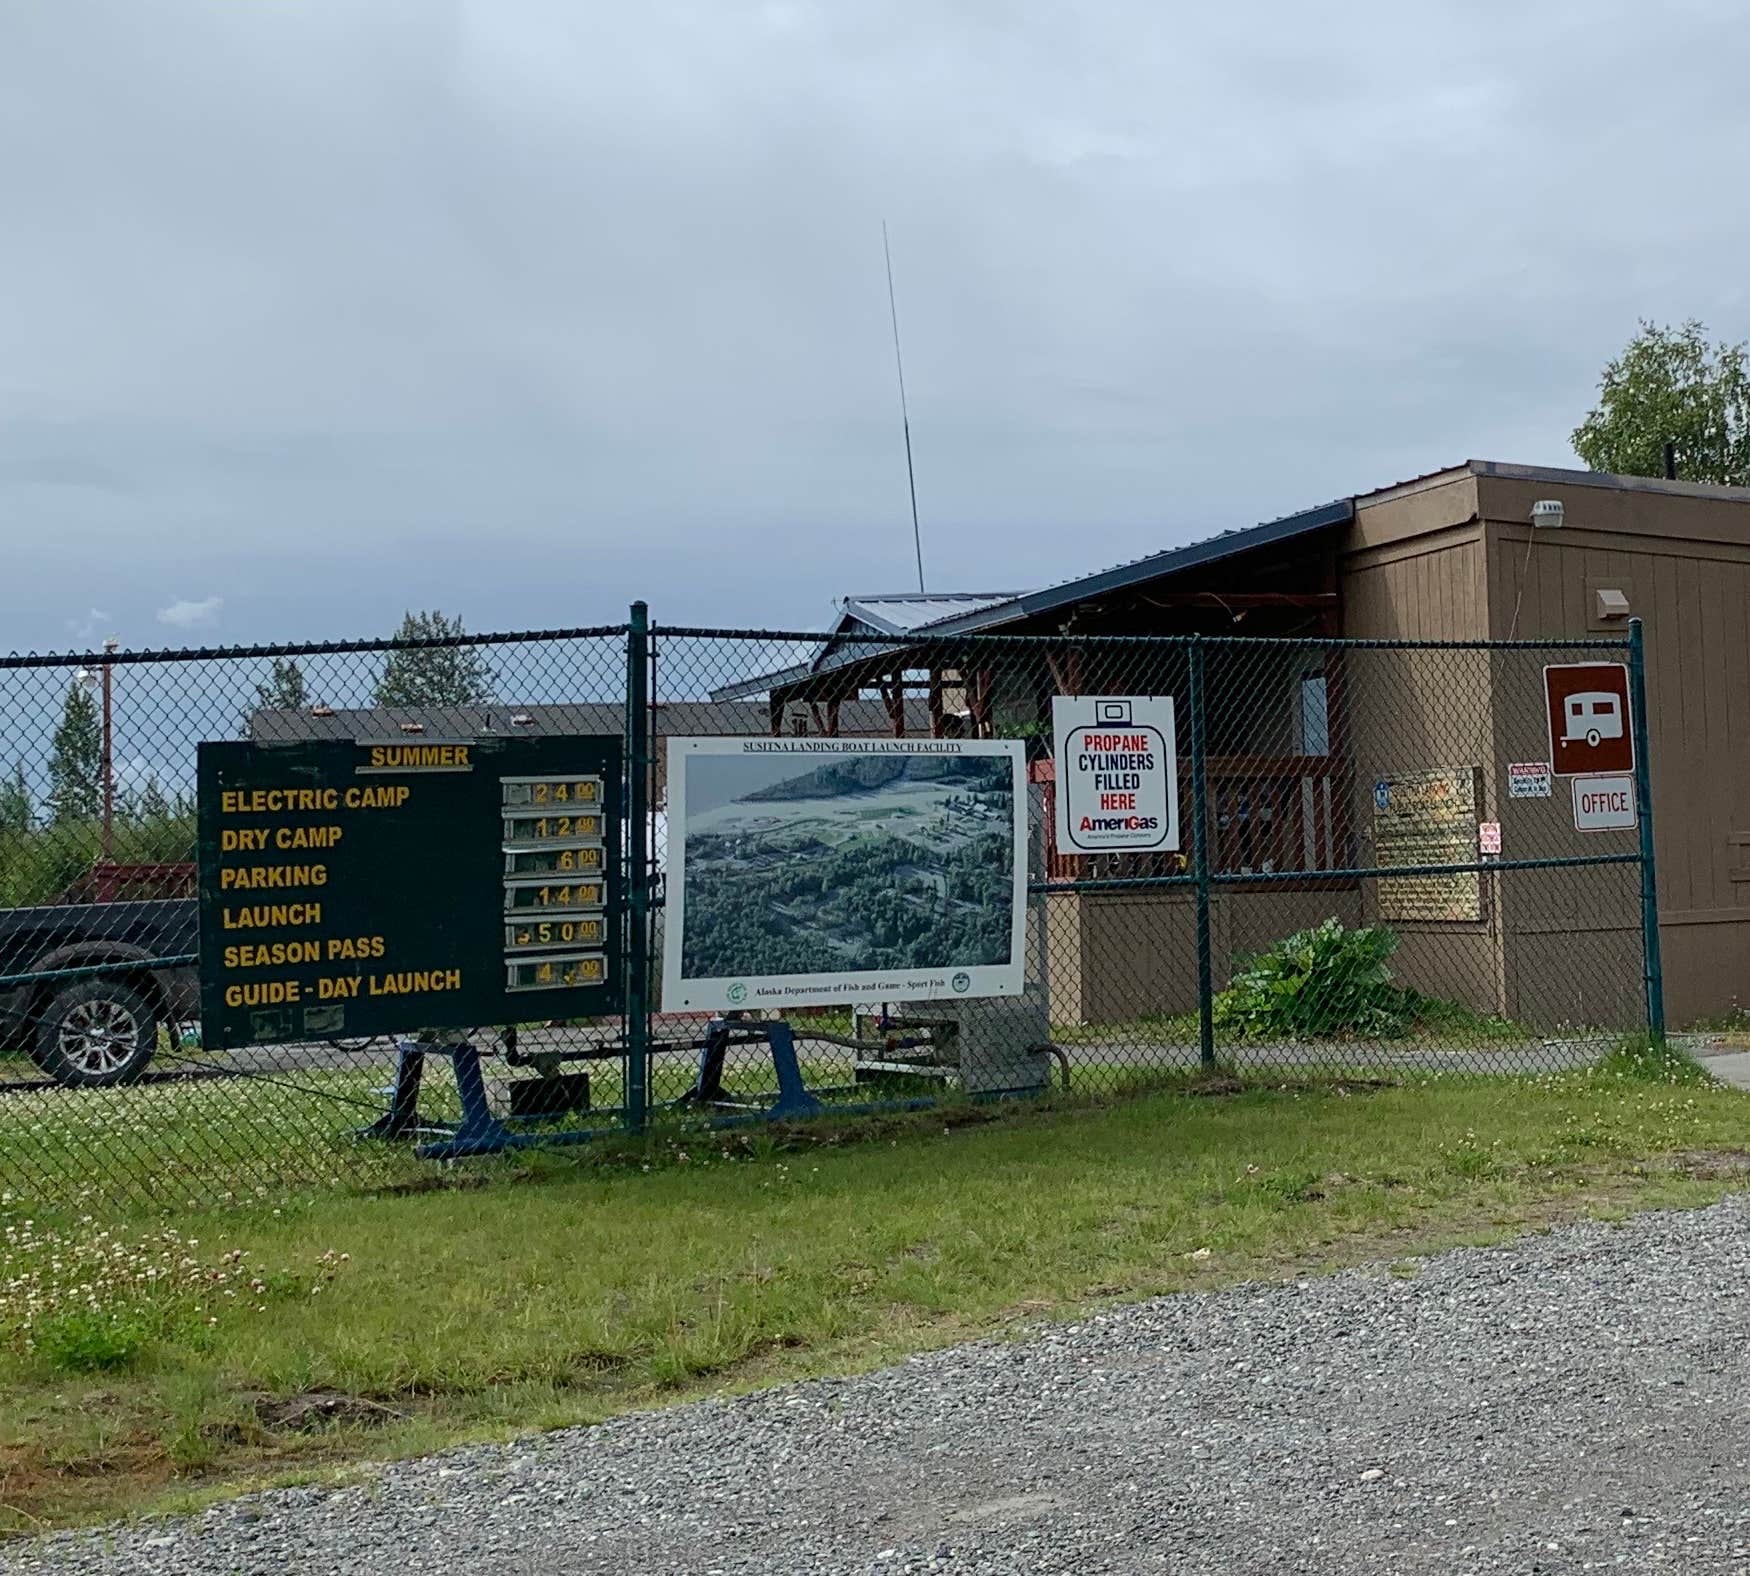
1171,561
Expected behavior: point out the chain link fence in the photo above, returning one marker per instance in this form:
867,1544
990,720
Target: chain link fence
107,1094
1337,902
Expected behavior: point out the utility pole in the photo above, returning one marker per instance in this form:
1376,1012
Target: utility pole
917,540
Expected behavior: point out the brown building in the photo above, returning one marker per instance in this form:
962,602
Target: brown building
1306,744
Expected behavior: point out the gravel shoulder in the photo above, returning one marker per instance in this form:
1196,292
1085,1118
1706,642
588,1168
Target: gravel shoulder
1576,1401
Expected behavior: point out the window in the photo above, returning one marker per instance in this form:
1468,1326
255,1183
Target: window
1312,723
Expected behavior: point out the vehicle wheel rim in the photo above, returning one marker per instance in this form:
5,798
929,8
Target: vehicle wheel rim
99,1037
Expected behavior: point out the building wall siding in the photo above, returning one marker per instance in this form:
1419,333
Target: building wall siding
1415,569
1685,562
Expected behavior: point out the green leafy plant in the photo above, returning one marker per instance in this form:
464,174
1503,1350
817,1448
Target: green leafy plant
92,1340
1315,984
1639,1058
1672,385
88,1298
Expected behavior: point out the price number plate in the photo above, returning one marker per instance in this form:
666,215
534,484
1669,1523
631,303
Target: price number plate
535,895
555,973
589,930
582,792
553,861
553,826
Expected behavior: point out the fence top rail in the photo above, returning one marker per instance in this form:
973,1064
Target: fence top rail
923,637
315,648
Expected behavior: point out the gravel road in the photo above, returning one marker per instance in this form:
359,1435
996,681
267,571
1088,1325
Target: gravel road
1573,1402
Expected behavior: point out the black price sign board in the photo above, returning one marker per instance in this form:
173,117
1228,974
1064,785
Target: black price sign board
386,887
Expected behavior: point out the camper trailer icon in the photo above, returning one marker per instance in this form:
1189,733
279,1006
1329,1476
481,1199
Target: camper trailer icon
1592,716
1590,723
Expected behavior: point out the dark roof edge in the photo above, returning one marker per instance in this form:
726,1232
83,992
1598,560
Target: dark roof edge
1553,476
1557,476
1339,512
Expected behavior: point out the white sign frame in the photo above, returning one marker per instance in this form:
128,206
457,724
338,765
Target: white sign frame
1074,718
1600,821
681,993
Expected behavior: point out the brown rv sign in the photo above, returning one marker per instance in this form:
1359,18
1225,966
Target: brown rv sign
1590,730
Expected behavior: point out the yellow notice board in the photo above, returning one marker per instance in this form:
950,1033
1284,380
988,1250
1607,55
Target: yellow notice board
1428,818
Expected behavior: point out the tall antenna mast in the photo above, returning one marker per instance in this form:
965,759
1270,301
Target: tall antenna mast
917,539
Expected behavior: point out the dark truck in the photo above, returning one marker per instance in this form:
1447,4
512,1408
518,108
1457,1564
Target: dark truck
89,1030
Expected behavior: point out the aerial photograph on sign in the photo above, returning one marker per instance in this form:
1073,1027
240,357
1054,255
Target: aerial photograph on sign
807,868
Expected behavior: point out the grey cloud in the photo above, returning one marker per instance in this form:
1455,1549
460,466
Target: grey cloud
533,307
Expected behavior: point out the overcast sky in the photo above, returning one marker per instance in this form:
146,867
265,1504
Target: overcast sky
313,310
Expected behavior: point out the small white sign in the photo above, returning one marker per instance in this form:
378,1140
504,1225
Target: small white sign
1488,837
1604,804
1117,774
1528,780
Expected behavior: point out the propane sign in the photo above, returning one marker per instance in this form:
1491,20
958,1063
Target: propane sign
1117,774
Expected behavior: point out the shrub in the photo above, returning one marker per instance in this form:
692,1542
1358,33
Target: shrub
1315,984
92,1340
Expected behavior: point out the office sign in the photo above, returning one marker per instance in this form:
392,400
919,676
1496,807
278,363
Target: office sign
1605,804
1590,730
383,888
1117,774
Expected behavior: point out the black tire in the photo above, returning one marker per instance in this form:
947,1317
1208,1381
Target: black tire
95,1034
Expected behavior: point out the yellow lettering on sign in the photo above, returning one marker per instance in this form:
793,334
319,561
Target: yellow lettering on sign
268,916
296,837
417,757
269,801
415,982
267,994
386,797
275,954
255,878
351,947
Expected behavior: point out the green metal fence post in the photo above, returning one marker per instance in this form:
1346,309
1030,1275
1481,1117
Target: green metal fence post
1651,961
1200,858
637,867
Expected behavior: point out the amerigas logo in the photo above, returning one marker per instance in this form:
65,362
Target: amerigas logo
1118,823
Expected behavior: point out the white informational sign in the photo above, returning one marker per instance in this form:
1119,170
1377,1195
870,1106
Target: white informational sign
809,872
1528,780
1117,774
1488,837
1604,804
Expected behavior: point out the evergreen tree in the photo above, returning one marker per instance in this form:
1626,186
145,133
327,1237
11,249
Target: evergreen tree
153,806
76,759
284,689
15,806
434,675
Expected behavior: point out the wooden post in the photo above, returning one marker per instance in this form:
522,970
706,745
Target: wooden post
978,702
893,692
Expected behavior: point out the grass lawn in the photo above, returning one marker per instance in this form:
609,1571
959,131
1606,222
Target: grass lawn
140,1369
